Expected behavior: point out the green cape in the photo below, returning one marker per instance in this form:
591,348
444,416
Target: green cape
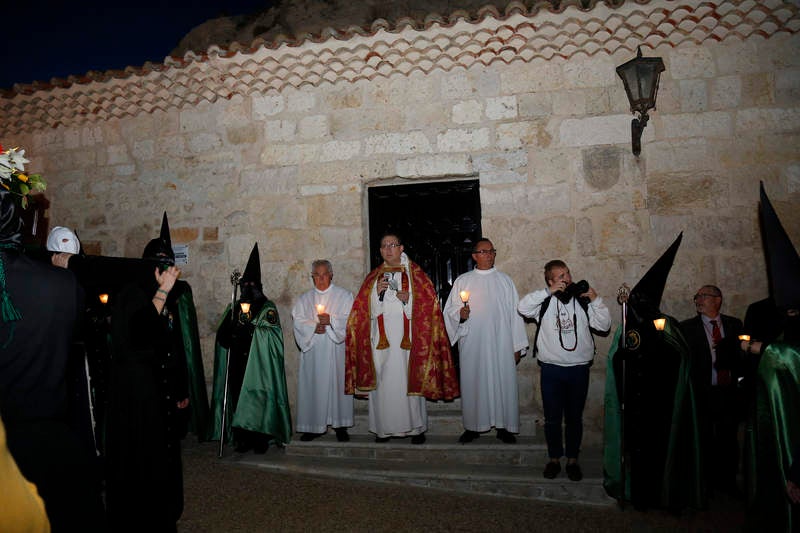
263,404
771,437
682,482
198,397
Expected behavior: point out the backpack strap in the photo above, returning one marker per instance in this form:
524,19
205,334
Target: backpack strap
543,309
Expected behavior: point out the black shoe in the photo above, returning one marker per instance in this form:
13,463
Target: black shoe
341,434
505,436
418,439
552,469
574,472
468,436
382,439
306,437
242,448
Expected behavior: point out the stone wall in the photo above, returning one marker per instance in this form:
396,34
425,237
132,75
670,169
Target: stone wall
548,135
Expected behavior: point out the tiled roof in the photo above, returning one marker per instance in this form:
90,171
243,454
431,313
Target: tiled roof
460,40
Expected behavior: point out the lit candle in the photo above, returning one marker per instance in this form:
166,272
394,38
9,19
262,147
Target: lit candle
103,298
464,296
245,307
659,323
320,309
744,337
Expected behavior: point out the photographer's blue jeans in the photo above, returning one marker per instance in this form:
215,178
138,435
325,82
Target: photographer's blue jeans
564,390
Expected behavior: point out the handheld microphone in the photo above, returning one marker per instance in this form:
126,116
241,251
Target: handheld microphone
387,277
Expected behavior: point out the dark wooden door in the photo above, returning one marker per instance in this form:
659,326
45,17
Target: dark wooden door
438,223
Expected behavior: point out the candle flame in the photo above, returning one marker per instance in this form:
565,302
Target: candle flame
659,323
245,307
320,309
744,337
103,298
464,296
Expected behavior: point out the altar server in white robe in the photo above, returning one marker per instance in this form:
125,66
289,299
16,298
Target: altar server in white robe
481,316
320,320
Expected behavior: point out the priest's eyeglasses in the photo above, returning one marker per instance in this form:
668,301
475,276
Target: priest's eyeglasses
390,245
701,295
484,252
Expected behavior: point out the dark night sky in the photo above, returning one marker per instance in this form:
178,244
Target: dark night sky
57,38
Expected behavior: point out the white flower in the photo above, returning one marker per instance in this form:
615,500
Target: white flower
17,158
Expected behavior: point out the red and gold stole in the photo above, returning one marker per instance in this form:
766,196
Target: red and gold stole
383,342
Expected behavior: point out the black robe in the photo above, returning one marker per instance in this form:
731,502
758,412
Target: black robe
144,481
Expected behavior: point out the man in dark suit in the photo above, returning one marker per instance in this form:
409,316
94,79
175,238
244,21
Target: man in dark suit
713,341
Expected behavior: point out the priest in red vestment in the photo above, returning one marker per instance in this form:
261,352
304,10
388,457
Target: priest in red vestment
397,348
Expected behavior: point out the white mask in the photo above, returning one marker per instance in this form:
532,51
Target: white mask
62,239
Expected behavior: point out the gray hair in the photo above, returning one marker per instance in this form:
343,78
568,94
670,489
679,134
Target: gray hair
320,262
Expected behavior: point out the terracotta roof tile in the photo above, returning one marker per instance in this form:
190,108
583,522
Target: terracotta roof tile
460,40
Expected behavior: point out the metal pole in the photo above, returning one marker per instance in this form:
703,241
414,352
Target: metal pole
235,277
623,294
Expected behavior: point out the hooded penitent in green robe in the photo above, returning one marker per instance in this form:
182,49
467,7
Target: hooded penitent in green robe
662,436
263,403
771,437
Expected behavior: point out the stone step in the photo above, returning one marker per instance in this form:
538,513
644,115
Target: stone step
485,466
446,420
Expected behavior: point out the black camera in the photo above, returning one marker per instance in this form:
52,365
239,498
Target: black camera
573,290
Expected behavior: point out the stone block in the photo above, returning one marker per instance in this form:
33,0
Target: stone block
124,170
758,90
791,174
619,234
725,92
501,107
686,192
584,237
596,71
544,199
171,147
72,139
690,155
538,76
787,87
591,131
193,119
463,140
204,142
515,135
91,135
435,165
117,154
314,190
313,127
464,84
211,233
502,167
689,62
339,150
333,209
350,96
274,180
412,142
281,130
767,119
300,101
738,57
183,234
569,103
535,104
248,134
144,150
694,95
554,165
269,105
709,124
467,112
289,154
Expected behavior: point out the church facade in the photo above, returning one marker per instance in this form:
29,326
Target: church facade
278,142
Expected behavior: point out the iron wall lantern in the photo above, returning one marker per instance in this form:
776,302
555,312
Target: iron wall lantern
640,76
